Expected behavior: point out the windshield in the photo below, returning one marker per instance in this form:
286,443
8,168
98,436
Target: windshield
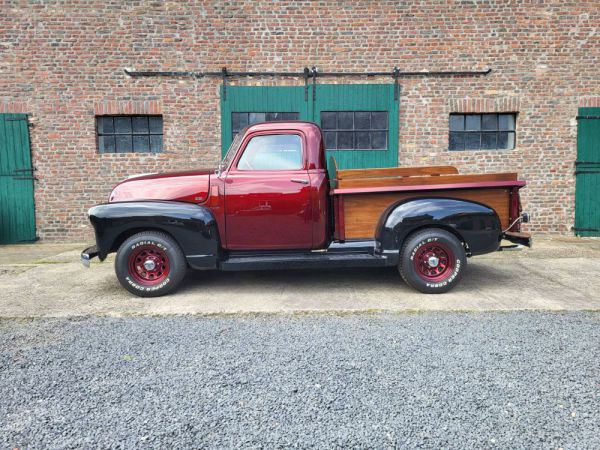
232,150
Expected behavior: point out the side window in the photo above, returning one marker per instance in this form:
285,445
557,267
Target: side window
272,152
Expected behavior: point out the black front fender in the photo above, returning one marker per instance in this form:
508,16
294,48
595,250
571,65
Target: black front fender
192,226
474,223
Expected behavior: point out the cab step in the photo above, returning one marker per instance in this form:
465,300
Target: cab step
310,260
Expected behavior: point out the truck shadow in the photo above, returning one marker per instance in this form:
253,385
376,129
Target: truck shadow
306,280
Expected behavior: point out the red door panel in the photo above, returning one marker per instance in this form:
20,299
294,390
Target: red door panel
268,210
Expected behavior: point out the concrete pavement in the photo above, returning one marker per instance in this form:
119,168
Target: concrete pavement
47,280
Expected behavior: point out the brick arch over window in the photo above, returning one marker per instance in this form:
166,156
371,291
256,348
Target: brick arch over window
127,107
484,105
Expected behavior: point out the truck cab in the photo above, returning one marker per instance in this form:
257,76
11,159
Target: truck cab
274,187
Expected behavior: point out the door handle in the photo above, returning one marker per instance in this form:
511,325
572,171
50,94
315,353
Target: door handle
299,180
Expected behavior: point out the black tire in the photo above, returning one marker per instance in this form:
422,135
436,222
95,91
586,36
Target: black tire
167,262
436,275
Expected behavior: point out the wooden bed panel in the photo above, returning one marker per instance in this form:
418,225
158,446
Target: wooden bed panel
427,180
396,172
362,211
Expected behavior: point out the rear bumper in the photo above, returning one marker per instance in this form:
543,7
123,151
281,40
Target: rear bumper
88,254
518,239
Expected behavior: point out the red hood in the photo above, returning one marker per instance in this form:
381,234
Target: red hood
189,187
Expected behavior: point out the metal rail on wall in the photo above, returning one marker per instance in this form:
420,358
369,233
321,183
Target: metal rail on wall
306,74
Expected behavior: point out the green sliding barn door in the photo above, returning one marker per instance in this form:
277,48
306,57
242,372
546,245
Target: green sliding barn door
17,212
244,105
587,194
359,121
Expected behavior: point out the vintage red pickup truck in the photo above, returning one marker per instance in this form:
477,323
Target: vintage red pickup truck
271,204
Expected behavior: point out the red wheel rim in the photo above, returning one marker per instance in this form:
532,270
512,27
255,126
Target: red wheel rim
434,261
149,265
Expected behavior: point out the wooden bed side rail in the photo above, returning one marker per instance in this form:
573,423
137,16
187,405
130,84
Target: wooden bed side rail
427,180
396,172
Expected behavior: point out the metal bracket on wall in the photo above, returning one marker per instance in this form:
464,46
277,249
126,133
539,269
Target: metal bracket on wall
306,75
579,169
314,77
224,75
575,229
395,73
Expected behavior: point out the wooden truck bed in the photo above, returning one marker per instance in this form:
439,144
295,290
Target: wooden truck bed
360,196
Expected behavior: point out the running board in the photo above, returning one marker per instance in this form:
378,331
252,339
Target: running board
303,261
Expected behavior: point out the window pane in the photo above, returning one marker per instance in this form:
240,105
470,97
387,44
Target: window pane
256,118
506,122
156,143
330,140
272,116
274,152
362,120
488,141
105,125
123,125
457,141
363,140
379,120
156,125
123,143
345,140
238,121
472,141
473,122
457,122
290,116
141,144
506,140
328,120
139,124
345,120
489,122
106,144
379,140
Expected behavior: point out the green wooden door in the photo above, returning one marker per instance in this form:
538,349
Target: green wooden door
364,115
17,211
587,194
355,116
242,100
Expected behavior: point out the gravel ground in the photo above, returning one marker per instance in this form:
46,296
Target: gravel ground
485,380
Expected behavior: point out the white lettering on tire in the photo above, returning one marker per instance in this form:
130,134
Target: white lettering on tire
147,288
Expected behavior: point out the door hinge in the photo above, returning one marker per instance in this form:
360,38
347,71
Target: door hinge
575,229
587,117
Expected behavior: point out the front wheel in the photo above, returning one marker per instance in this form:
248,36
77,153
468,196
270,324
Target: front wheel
432,261
150,264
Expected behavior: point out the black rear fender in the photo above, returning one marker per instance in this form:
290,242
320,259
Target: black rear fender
475,224
192,226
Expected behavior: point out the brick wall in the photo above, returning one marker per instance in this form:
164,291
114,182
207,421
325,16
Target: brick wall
63,61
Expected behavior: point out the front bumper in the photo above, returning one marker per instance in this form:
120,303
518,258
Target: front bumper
88,254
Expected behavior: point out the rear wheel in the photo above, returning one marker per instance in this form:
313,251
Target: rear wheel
150,264
432,261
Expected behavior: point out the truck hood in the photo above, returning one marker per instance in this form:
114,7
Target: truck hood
191,187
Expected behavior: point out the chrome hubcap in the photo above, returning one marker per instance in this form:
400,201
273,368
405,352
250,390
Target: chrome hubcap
149,264
433,261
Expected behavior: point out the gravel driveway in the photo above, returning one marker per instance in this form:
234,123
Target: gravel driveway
485,380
